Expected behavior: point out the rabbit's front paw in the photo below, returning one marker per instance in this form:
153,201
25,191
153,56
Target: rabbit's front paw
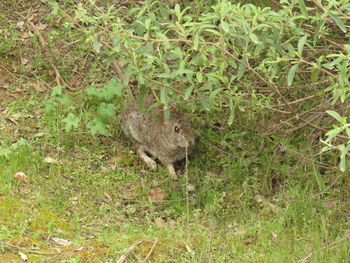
146,159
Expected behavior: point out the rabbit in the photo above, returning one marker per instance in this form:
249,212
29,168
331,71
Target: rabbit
164,139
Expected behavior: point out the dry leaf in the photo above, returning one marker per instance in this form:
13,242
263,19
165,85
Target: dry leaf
51,160
20,176
191,188
61,241
20,24
39,134
12,120
41,27
274,235
159,222
24,257
36,86
108,196
157,194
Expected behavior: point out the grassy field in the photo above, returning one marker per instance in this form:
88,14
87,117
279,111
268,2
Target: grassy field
73,197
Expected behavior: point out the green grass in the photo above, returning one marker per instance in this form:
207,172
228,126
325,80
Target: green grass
254,202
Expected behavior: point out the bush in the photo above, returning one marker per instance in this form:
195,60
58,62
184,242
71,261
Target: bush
290,59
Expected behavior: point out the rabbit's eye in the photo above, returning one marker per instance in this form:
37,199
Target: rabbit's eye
177,129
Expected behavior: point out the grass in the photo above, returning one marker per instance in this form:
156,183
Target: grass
258,201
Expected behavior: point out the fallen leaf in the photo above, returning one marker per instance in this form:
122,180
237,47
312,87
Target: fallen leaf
41,27
157,194
79,248
24,257
274,235
330,204
159,222
108,196
260,199
12,120
39,134
20,176
61,241
51,160
240,232
191,188
36,86
20,24
24,61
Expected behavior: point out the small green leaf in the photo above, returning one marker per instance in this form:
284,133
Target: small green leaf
348,132
254,38
301,44
241,70
302,7
291,74
71,121
188,92
334,114
225,26
96,44
232,112
342,164
340,23
204,101
314,75
325,149
106,111
199,77
331,134
97,126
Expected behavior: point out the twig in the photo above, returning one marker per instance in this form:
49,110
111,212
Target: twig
42,42
128,251
319,5
27,250
150,251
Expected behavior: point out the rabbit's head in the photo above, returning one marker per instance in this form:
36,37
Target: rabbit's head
179,133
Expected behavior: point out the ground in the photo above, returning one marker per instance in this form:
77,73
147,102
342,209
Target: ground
76,197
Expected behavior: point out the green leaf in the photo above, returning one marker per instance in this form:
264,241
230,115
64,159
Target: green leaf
314,75
199,77
331,134
204,101
334,114
348,132
196,42
254,38
188,92
112,88
303,7
325,149
106,111
291,74
225,26
96,44
340,23
5,152
232,112
71,121
241,70
342,164
57,91
320,181
97,126
301,44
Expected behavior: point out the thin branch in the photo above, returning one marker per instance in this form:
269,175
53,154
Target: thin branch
150,251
